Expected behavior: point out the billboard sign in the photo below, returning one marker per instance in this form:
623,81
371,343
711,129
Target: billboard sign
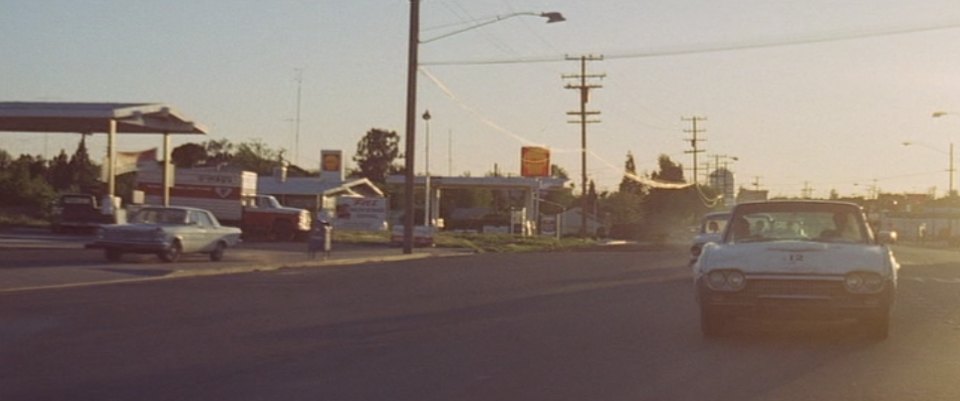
534,161
358,213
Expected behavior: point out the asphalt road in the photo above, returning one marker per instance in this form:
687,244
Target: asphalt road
560,326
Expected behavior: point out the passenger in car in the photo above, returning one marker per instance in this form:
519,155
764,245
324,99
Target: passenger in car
741,228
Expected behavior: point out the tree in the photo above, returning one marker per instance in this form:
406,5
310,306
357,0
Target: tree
189,155
669,210
23,189
218,152
559,172
592,198
86,174
376,154
629,184
669,171
256,156
60,176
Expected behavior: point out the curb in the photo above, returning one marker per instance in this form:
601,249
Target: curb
181,274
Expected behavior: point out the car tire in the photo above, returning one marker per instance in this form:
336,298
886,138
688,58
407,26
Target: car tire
217,254
171,254
711,323
112,254
282,230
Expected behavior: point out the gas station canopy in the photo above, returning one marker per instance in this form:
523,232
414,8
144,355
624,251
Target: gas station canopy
85,118
109,118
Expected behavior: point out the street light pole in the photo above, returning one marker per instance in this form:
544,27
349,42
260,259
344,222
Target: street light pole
411,113
426,158
952,193
950,164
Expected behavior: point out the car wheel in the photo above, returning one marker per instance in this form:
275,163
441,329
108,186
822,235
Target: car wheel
282,231
171,254
112,254
711,323
217,254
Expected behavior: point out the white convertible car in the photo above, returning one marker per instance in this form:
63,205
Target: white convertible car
797,259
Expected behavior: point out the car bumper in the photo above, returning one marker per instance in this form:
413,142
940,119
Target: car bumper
821,303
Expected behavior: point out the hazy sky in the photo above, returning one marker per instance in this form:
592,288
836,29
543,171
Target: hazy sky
781,92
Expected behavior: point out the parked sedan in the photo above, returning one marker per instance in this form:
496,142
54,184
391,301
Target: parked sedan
168,232
797,259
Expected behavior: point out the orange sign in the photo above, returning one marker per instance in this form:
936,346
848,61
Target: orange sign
534,161
330,160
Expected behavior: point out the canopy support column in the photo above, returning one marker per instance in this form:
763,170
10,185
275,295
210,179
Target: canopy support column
111,157
167,169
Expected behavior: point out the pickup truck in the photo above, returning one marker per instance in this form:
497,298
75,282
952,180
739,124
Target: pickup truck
78,212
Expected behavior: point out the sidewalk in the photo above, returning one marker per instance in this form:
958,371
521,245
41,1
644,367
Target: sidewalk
36,260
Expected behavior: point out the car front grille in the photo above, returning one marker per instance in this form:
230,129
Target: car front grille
798,288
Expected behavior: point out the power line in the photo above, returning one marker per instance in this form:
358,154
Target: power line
714,48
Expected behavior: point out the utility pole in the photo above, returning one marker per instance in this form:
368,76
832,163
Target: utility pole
807,191
694,142
296,140
756,183
584,89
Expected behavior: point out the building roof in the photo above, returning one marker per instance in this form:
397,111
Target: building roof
136,118
483,182
315,186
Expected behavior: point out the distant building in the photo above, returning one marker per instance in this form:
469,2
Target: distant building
314,193
752,195
722,179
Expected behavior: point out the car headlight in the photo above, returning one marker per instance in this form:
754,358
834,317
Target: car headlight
726,280
695,250
304,221
863,282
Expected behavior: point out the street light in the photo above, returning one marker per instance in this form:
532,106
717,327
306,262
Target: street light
551,18
426,158
950,169
411,114
938,114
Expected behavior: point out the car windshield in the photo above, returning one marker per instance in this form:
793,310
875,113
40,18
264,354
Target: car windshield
160,216
714,223
799,223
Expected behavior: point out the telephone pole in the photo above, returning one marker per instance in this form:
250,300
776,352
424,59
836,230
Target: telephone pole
296,139
807,191
694,143
584,89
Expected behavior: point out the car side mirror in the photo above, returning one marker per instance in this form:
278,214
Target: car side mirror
887,237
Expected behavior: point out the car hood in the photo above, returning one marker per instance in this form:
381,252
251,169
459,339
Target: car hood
280,210
797,257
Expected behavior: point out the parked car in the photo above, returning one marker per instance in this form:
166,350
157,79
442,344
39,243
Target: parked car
75,211
710,230
168,232
797,259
